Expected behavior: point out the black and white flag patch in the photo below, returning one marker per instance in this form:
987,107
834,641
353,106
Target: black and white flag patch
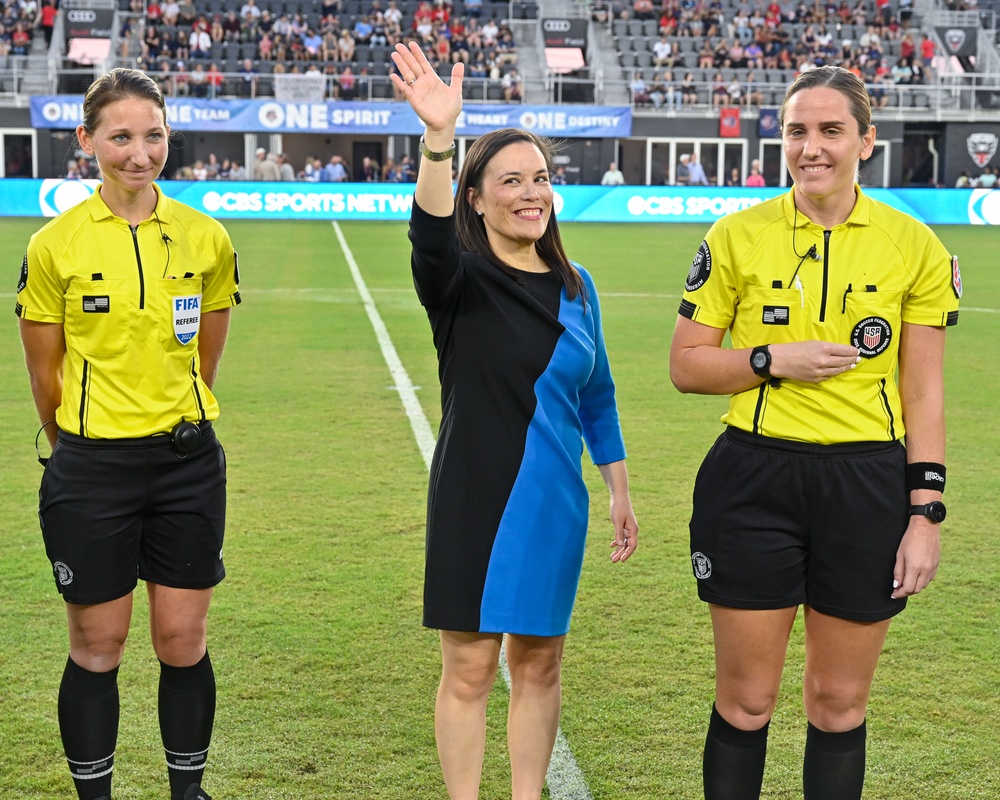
775,315
22,281
96,304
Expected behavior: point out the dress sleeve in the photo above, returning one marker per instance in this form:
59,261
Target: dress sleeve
435,258
598,408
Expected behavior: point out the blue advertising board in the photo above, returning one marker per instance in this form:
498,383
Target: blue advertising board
392,201
65,112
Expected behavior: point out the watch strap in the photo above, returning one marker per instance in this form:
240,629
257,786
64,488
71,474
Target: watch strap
431,155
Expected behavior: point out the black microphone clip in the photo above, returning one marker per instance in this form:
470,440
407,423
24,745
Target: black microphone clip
813,254
168,239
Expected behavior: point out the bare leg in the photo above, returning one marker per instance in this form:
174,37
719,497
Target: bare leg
468,669
750,651
533,719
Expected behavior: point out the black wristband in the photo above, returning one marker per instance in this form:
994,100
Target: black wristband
925,475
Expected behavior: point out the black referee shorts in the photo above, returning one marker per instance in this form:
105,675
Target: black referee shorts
116,511
778,524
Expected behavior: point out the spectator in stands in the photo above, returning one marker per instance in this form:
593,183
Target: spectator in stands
657,91
199,44
479,67
362,31
663,52
963,182
459,48
346,45
250,9
490,33
286,172
47,20
559,176
312,45
225,169
335,171
513,86
248,79
902,72
988,180
638,90
753,93
387,169
706,55
215,30
266,166
643,9
688,90
369,171
199,171
187,12
407,170
212,167
506,49
20,39
734,178
170,10
613,176
215,79
197,85
348,84
162,78
151,44
232,30
696,172
237,172
755,179
682,176
734,91
720,91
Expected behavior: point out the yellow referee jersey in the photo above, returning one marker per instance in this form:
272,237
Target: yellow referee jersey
130,303
863,279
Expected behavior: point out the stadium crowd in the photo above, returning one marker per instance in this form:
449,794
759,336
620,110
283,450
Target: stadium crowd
698,39
207,51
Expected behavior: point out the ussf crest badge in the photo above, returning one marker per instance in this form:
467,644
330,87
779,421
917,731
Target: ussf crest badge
871,336
956,277
187,316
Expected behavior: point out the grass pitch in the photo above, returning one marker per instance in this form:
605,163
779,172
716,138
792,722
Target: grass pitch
326,679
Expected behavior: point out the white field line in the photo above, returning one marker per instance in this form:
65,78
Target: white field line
564,778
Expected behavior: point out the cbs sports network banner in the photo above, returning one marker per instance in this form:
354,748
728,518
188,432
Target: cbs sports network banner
390,201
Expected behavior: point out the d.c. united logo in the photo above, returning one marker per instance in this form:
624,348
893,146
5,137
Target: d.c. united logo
871,336
982,147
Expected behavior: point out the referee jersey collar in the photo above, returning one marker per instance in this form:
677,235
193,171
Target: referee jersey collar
860,214
99,209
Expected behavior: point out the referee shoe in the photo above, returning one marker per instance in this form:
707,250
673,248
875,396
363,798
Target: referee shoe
195,792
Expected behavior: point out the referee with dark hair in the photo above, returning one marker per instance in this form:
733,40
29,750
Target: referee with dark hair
837,307
124,304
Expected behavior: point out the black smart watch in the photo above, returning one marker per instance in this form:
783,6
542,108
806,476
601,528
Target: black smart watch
760,361
935,511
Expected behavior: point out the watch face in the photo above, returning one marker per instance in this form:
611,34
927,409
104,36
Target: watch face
760,360
936,511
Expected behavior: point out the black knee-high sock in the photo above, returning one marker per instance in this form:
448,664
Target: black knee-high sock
733,766
834,766
88,722
187,712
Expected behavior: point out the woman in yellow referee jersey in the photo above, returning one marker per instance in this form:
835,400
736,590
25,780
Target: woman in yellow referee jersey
837,307
124,304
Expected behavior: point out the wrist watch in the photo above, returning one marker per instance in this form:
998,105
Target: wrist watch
935,511
760,361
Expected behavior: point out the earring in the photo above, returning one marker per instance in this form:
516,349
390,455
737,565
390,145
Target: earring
480,213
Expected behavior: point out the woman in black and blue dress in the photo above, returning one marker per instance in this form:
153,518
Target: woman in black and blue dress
525,381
